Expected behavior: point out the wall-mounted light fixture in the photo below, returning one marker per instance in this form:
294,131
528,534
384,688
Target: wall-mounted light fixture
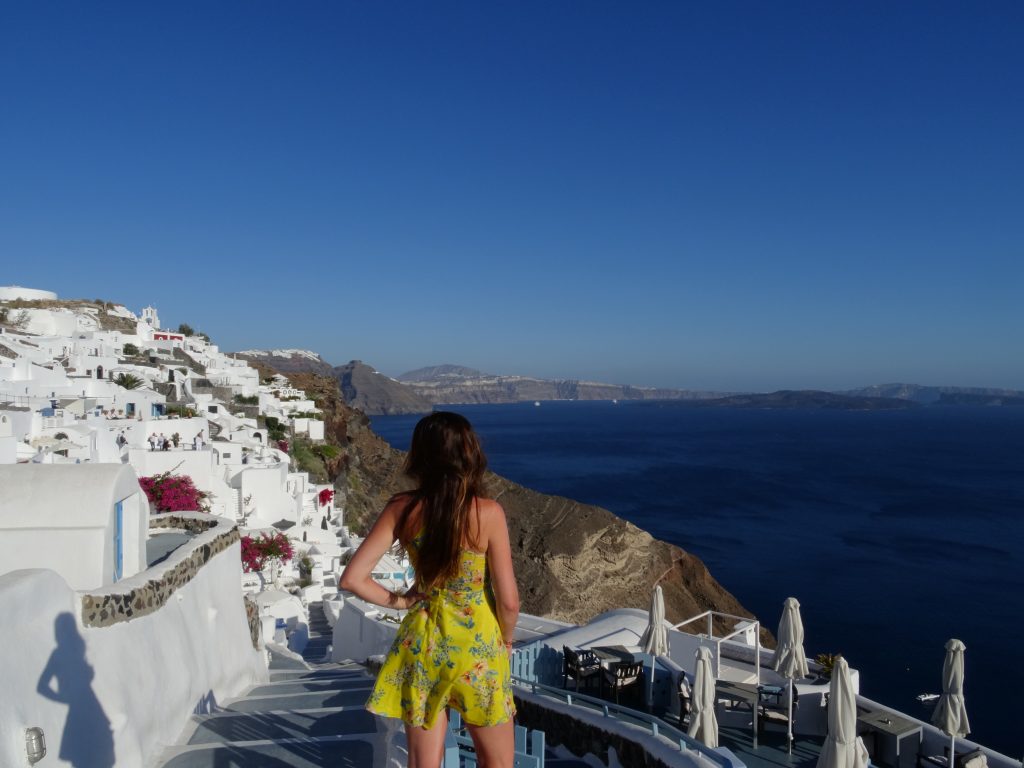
35,745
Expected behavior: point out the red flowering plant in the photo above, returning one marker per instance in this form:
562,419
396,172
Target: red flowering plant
325,497
257,552
282,445
174,493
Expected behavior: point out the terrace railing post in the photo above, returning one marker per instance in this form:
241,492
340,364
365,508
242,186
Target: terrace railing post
451,751
538,746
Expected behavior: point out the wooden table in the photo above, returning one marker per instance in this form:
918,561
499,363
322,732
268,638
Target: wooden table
891,724
737,693
614,654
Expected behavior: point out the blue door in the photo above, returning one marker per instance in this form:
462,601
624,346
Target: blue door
118,541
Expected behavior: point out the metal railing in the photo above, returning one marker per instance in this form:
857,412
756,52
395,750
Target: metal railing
523,664
459,750
751,624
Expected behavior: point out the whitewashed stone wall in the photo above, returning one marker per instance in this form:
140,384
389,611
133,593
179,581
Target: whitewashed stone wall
118,694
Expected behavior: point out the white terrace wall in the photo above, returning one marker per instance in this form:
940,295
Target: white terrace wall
11,292
117,690
64,518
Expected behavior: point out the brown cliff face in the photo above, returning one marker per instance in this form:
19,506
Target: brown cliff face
573,561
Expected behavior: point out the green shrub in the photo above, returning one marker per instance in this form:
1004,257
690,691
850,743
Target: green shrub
306,460
326,451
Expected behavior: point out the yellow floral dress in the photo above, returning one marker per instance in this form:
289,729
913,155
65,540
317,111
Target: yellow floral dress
448,652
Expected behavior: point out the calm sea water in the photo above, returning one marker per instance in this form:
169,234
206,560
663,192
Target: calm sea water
895,530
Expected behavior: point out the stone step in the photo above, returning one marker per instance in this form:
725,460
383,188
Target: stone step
315,673
317,752
335,683
309,700
280,662
290,724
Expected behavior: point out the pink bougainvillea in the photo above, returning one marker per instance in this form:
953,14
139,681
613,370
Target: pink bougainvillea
282,445
174,493
256,552
326,496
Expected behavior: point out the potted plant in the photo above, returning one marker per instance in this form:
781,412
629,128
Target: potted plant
827,662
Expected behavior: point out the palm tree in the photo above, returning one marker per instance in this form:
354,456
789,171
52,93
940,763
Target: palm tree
128,380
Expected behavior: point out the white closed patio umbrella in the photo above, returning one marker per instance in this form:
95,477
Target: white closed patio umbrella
655,638
950,713
843,748
790,661
703,722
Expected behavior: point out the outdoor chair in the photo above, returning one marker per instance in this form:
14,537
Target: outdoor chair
620,676
777,714
581,665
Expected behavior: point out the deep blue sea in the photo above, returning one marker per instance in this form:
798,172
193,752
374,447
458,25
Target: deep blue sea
896,530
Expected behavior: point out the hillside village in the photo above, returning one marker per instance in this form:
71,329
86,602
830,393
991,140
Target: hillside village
169,452
172,544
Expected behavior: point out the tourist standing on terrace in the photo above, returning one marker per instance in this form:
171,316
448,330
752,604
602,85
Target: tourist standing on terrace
452,649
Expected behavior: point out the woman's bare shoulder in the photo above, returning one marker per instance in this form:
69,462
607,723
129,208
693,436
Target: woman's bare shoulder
490,512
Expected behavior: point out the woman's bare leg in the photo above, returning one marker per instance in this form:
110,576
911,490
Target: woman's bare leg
495,744
426,747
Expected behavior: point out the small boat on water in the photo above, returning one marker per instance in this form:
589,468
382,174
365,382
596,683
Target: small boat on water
536,403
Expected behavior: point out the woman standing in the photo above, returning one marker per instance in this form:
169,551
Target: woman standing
452,649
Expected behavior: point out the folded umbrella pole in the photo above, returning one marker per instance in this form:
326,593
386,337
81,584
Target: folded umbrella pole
655,638
790,661
951,713
843,748
703,722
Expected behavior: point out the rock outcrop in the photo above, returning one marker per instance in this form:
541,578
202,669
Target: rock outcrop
376,394
288,361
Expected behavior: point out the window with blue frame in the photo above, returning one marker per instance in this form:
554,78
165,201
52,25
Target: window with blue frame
118,540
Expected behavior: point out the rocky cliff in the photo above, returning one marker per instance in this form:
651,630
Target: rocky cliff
287,361
453,384
927,395
573,561
374,393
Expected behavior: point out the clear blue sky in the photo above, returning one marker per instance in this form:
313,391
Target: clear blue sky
716,195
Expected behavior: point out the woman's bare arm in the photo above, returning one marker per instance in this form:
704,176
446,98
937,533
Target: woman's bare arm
503,577
356,578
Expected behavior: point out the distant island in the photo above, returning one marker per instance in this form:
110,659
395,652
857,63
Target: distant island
804,399
419,391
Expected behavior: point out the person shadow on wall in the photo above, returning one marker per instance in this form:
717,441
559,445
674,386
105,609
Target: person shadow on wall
87,741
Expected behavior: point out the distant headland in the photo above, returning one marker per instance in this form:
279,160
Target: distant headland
419,391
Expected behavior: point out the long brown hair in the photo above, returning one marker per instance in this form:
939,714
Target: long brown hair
447,463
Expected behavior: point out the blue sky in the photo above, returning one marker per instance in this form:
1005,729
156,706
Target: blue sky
718,195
